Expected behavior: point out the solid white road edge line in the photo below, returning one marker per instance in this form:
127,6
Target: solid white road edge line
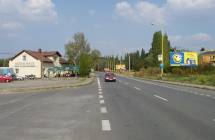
157,84
160,98
103,110
137,88
101,101
106,125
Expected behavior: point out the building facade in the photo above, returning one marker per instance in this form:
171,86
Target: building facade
36,63
207,57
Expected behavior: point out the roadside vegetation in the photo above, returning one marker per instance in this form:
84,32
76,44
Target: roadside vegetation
146,65
4,62
79,53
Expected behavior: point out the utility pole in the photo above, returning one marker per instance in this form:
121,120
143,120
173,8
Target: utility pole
162,52
162,45
129,62
114,65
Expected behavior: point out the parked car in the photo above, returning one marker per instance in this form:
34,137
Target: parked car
110,77
30,77
20,78
6,78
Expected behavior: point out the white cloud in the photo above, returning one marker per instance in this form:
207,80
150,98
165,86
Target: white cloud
141,12
125,9
150,12
39,10
97,26
192,42
200,37
191,4
10,25
171,9
92,12
23,11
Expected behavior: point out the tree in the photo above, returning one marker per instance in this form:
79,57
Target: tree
166,51
95,54
202,49
85,64
4,62
156,49
76,47
143,53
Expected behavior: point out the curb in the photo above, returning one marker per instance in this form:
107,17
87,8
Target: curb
174,83
37,89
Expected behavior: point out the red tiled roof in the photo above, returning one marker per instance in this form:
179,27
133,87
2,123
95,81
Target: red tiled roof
63,61
42,56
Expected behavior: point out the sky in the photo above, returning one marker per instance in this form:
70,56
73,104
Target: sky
112,26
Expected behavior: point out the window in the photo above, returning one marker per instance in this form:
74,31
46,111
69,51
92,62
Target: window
24,58
212,58
17,71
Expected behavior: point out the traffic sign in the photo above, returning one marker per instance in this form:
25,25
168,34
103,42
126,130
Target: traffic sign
160,57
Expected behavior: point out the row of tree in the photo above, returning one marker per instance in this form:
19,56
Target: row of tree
142,59
4,62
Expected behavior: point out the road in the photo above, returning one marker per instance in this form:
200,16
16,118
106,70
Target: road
129,109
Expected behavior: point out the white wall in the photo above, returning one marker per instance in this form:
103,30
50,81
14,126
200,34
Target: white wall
28,67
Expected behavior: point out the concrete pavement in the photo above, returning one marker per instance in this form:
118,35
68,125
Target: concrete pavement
43,84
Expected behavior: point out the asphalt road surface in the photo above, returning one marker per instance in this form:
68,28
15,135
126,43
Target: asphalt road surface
129,109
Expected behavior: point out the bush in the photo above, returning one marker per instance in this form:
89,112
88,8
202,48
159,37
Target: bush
85,64
206,69
151,71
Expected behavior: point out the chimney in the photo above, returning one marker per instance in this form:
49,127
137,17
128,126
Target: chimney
40,50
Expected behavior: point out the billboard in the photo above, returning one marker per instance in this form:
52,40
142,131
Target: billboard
120,67
183,59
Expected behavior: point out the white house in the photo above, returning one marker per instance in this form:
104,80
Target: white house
29,62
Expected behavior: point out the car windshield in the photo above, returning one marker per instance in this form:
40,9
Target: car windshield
109,74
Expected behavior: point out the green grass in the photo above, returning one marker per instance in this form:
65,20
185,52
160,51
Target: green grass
190,79
193,79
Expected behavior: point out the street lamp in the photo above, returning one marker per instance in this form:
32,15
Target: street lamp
162,51
162,45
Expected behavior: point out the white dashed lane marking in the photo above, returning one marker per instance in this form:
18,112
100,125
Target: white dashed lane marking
101,101
174,88
103,110
159,97
137,88
101,97
100,92
106,125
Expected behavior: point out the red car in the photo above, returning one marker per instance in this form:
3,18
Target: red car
5,78
110,77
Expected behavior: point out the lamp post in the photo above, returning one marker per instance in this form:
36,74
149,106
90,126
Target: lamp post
162,52
129,62
162,45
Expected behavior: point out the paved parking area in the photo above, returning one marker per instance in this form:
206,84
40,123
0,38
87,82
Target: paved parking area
39,83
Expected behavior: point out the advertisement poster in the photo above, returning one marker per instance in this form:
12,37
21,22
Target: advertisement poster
183,59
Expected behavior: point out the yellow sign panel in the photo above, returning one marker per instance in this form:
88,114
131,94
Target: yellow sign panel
190,58
120,67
